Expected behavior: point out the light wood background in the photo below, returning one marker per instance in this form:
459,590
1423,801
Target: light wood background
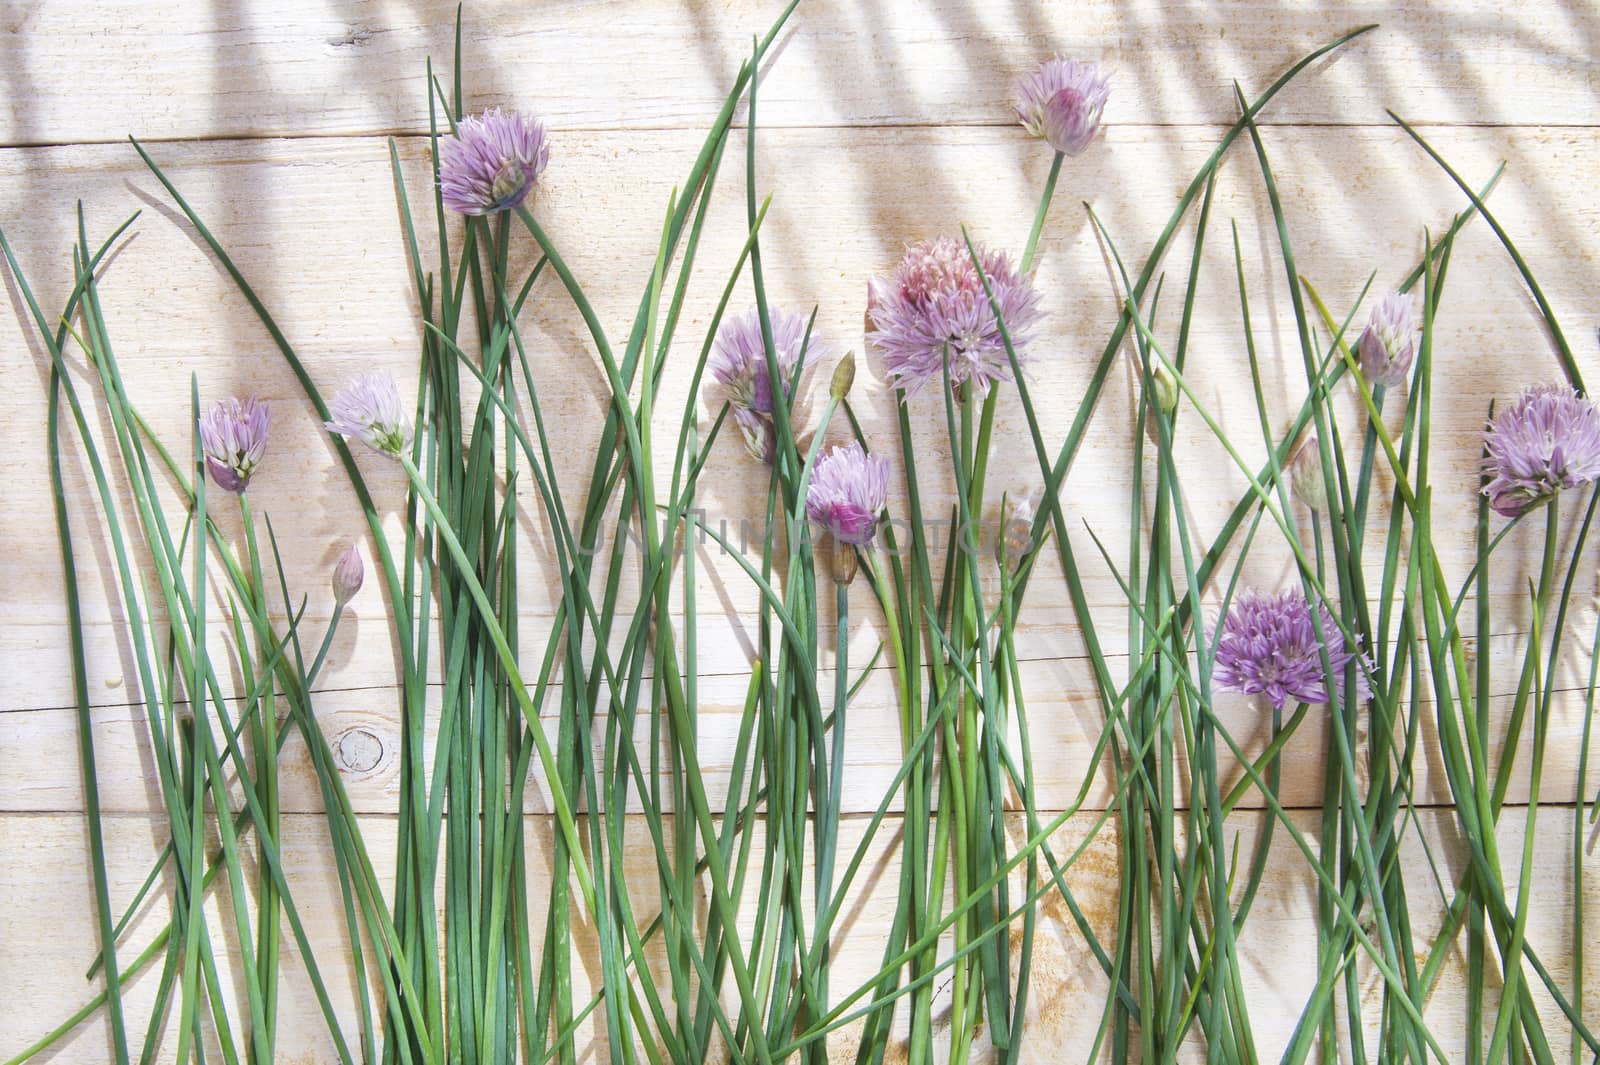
884,122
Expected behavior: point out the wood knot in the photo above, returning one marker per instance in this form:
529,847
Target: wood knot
354,37
360,750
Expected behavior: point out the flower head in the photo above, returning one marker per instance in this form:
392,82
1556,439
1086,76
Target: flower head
739,363
368,409
233,435
848,490
492,162
348,573
1390,339
1269,646
1546,440
936,302
1062,102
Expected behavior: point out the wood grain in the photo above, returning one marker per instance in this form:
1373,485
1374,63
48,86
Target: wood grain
1065,722
173,314
882,123
1278,944
187,71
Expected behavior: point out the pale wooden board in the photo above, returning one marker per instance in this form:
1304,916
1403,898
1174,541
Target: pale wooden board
171,69
48,954
173,314
626,88
1065,722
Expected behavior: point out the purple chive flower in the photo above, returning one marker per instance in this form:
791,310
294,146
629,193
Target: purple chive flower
936,301
1546,440
848,490
348,574
233,435
739,363
492,162
1390,339
368,409
1269,647
1062,102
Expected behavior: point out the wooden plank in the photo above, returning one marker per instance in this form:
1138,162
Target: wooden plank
43,881
1065,722
882,125
173,314
166,69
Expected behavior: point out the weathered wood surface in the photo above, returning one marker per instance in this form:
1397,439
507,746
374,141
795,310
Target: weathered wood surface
42,882
891,123
1064,714
845,201
178,70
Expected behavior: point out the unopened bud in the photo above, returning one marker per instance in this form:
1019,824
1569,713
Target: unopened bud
844,375
1164,389
348,574
1305,476
1016,533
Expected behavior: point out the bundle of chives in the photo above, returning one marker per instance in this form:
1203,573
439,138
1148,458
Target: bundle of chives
460,974
194,739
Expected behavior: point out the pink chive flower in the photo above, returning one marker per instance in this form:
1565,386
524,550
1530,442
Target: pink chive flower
739,363
1546,440
348,575
1389,341
368,409
1269,646
233,435
1062,102
936,303
492,162
847,493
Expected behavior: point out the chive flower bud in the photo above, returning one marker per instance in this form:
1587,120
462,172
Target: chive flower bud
1389,342
844,375
1164,389
1016,532
1305,476
233,437
348,573
1160,399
